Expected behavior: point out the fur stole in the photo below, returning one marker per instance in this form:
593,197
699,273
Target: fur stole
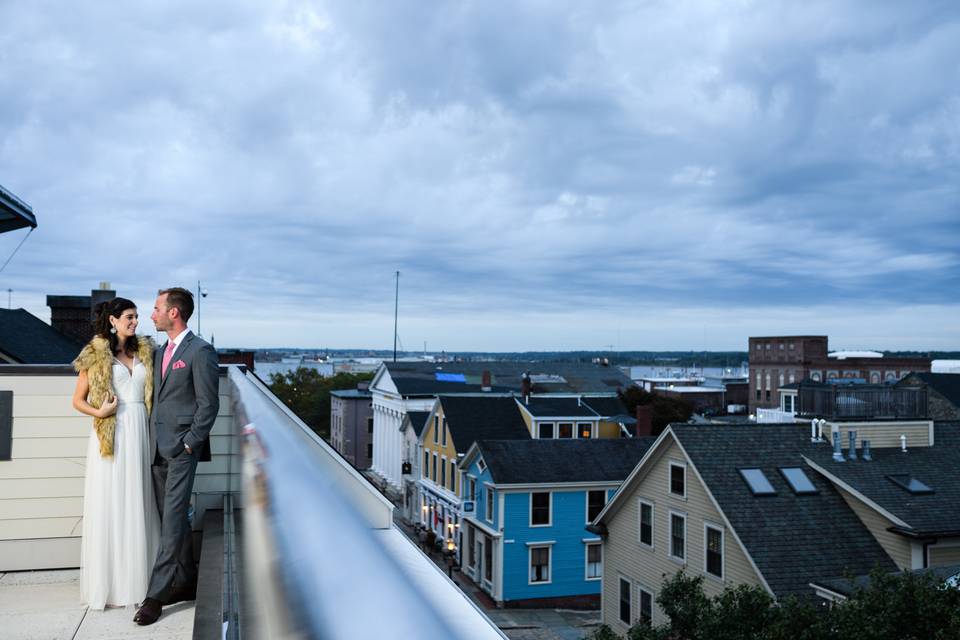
97,360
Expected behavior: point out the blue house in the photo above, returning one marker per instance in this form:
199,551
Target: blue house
526,504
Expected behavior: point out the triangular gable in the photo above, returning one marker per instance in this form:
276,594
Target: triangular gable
429,424
643,467
383,382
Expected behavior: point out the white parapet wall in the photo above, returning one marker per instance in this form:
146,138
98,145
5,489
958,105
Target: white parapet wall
41,486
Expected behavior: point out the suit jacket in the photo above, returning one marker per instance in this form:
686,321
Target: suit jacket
185,401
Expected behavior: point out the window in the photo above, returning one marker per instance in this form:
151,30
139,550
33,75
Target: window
798,480
369,449
678,485
595,503
370,424
594,561
646,523
489,492
758,393
426,465
780,379
768,395
481,465
646,607
473,488
625,601
678,536
540,509
546,430
471,546
585,430
539,564
791,346
487,559
766,379
758,483
453,475
436,429
911,484
434,476
713,541
443,473
444,431
565,430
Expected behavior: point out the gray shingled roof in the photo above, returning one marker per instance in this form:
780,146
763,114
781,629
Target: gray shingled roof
846,587
418,419
547,407
946,384
794,539
554,461
29,340
472,418
938,467
607,407
420,378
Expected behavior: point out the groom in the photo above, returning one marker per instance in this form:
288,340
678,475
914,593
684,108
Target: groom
185,404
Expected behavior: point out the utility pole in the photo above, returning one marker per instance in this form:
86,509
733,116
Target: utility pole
396,306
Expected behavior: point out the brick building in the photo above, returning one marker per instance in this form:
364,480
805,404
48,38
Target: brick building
782,360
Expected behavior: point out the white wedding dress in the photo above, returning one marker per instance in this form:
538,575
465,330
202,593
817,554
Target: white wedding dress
121,526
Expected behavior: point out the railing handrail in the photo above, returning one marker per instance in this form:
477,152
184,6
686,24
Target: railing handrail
337,578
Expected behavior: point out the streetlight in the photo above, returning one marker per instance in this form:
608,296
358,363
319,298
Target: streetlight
450,555
201,293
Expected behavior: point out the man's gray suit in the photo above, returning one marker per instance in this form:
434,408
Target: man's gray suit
185,405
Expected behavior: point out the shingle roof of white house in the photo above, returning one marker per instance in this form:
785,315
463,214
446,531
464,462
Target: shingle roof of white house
26,339
426,378
936,512
791,539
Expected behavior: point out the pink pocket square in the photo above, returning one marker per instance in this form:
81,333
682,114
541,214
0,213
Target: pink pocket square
179,364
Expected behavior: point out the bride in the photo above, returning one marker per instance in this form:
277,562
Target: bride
121,525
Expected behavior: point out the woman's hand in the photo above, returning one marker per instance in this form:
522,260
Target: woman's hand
108,408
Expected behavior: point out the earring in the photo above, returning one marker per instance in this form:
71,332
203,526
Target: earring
113,329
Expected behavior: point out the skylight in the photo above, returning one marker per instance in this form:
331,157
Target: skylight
758,483
798,480
908,482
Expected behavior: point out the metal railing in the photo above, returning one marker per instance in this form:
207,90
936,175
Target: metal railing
846,402
315,560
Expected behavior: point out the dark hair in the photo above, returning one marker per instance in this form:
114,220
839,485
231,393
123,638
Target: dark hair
114,308
181,299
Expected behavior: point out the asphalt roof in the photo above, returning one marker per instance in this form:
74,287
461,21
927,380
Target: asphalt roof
556,461
418,419
427,378
542,407
472,418
607,407
846,587
351,393
935,466
793,539
29,340
946,384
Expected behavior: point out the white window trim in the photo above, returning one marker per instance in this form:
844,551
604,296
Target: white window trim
670,492
686,536
488,503
434,468
586,561
553,426
549,547
586,508
723,554
593,430
443,425
481,465
573,431
443,473
653,519
436,429
530,510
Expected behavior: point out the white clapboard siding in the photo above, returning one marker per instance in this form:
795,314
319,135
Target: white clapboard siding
41,488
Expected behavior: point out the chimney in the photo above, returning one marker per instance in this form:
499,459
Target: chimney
903,443
866,451
852,437
485,385
73,316
837,454
644,421
525,387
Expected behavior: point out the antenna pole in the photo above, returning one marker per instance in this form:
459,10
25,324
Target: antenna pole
396,306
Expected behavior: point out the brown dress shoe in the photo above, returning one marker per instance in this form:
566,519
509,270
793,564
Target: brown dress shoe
182,594
148,613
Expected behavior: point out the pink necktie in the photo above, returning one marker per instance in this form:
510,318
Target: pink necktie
167,355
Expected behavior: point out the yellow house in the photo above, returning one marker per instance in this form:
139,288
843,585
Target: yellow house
584,417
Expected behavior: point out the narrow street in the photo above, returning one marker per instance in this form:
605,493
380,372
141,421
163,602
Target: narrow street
518,624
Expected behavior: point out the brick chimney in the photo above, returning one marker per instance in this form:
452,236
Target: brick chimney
486,385
644,426
73,315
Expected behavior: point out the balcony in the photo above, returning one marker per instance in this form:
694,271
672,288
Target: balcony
775,416
861,402
293,541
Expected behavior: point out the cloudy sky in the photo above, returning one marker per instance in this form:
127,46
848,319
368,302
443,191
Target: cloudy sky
544,175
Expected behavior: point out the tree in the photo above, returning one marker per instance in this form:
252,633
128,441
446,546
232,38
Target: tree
307,394
665,410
